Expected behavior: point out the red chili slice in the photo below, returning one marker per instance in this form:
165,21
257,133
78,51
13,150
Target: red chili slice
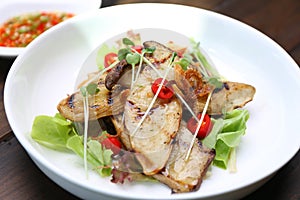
205,127
166,91
138,48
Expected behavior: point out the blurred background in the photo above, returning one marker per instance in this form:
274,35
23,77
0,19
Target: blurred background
278,19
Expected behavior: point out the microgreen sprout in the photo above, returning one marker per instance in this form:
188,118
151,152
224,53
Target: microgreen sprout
132,59
122,53
90,89
83,91
156,94
145,50
148,50
174,54
128,42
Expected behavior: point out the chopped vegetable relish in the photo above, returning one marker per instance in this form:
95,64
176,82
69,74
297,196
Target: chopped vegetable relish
20,30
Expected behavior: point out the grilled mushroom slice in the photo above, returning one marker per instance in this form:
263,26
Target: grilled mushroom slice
104,103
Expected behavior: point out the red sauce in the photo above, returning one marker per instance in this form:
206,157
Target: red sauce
19,31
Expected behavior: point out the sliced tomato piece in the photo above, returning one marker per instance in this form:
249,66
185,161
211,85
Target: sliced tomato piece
112,143
109,59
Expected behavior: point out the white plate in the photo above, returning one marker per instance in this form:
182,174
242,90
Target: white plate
11,8
49,67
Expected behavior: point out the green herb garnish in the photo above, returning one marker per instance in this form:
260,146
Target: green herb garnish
90,89
128,42
148,50
122,53
132,58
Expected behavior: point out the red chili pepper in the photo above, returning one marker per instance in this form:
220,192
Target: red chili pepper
113,144
205,127
138,48
41,27
166,91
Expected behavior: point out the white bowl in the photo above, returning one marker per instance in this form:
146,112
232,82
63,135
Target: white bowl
12,8
50,66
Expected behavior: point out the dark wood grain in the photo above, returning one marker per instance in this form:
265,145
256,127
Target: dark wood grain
279,19
21,179
5,130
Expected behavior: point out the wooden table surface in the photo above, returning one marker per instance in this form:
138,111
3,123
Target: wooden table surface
279,19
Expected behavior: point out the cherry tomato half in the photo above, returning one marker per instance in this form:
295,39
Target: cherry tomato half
166,91
205,127
138,48
113,144
110,58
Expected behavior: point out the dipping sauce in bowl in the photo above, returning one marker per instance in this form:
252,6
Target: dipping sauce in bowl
20,30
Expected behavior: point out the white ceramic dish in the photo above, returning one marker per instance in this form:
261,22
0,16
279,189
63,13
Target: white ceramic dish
11,8
49,68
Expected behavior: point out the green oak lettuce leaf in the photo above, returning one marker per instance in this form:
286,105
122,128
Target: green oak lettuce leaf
235,120
226,136
97,156
211,140
102,155
52,132
102,51
222,154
